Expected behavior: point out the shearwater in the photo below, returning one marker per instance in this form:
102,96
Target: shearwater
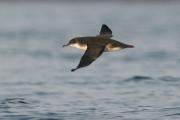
94,46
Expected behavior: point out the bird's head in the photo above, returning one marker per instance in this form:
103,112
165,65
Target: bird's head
72,42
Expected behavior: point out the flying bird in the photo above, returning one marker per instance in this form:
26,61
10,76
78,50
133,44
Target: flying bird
94,46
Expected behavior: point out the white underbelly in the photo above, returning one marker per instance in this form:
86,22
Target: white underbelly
78,46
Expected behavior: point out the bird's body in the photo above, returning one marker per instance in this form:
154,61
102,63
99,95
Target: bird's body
110,44
96,45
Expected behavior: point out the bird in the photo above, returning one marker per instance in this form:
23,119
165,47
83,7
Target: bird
94,46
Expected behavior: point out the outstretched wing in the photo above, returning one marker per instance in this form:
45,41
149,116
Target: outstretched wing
105,31
91,54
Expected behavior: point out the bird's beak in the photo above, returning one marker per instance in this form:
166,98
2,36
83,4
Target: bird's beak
66,45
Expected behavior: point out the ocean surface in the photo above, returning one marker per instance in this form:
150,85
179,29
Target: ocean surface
142,83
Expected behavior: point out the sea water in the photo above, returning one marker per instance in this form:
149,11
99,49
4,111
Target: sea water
141,83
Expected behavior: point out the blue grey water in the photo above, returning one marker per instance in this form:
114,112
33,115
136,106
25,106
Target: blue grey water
142,83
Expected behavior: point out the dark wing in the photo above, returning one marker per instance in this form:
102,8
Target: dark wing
105,31
91,54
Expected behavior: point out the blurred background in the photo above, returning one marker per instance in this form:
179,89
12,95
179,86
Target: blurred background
133,84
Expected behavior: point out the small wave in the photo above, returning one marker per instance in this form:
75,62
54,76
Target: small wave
139,78
172,110
9,102
175,114
14,101
169,79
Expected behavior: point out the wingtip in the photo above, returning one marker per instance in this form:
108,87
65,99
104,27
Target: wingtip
104,25
130,46
72,70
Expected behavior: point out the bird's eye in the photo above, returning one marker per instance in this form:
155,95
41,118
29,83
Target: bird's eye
72,41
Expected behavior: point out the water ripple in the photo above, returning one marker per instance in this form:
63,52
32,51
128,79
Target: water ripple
14,101
138,78
170,79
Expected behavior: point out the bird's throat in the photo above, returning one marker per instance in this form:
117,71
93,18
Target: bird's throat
79,46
